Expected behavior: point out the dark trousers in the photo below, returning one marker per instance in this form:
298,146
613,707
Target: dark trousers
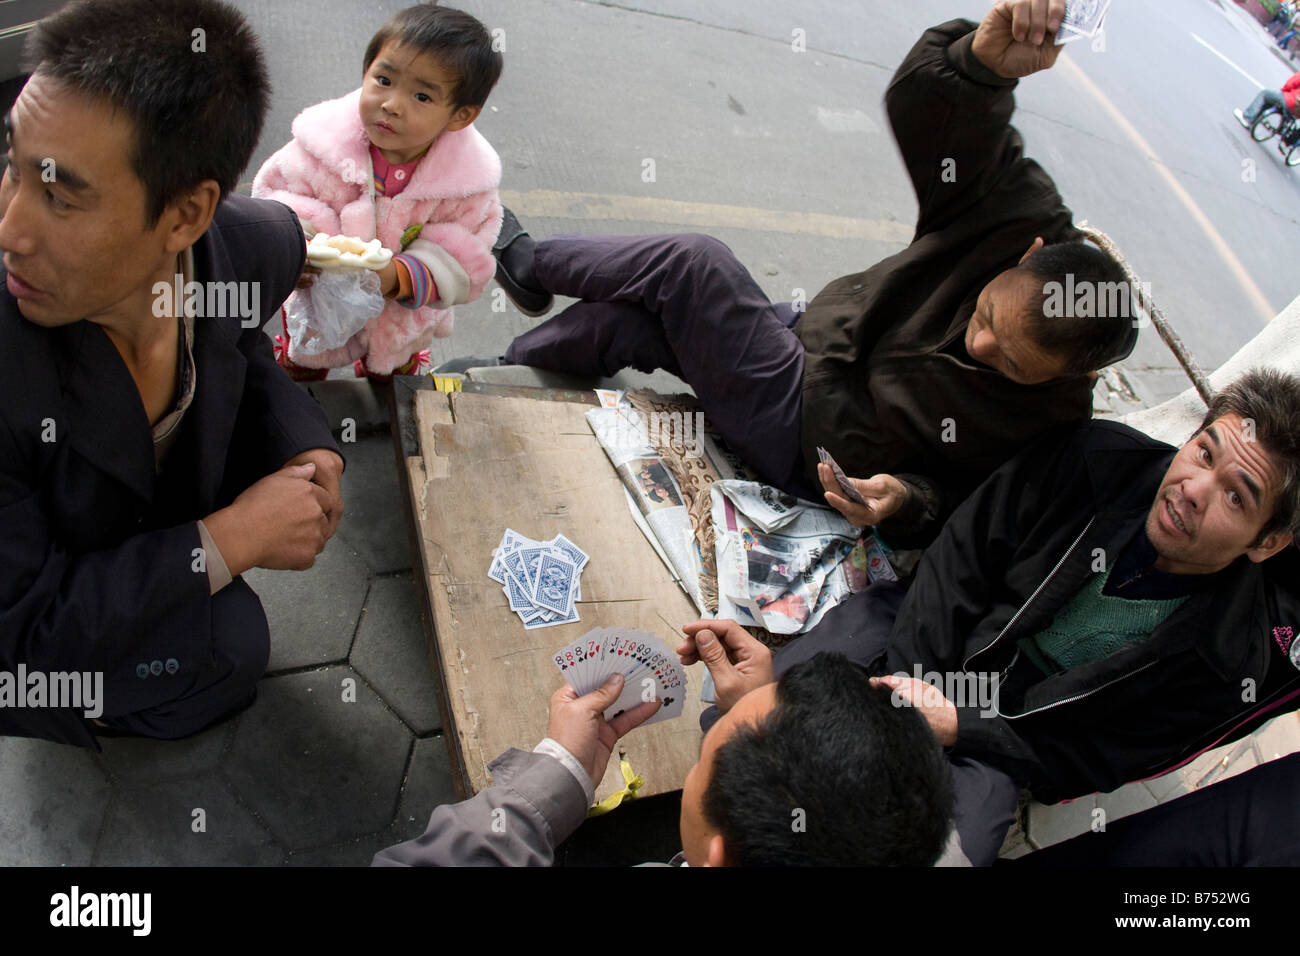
1248,820
224,684
985,798
682,303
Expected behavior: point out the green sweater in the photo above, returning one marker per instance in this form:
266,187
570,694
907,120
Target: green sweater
1094,626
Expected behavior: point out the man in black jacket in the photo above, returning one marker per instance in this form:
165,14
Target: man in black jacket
150,449
1101,610
924,372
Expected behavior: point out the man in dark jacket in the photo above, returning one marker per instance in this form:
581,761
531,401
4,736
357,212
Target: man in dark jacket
927,370
1102,609
150,449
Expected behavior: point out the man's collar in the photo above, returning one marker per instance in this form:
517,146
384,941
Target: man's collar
1135,576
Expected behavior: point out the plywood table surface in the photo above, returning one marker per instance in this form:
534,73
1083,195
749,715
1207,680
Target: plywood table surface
488,463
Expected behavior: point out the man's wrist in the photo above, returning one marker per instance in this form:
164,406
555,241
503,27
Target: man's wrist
965,57
553,748
236,549
214,561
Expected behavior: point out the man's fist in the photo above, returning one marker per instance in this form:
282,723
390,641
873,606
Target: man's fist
737,661
329,471
279,522
1018,37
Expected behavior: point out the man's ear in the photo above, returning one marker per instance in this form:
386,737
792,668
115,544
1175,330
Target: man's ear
717,851
1270,546
1037,244
188,218
463,117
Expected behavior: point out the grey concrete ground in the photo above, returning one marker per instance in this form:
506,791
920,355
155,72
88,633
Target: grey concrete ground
785,154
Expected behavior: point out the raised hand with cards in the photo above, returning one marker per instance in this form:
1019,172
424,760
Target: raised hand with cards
1017,37
650,670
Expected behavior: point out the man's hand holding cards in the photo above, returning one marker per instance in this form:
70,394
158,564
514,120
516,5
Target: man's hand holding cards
863,501
650,670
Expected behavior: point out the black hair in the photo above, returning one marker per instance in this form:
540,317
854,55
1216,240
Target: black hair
834,775
188,72
1269,401
1089,314
455,39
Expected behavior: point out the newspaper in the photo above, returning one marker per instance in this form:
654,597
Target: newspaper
624,434
782,562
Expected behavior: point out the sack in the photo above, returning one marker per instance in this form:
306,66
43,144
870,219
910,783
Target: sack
332,309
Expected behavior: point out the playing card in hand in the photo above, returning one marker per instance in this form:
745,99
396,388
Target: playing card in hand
850,490
651,671
1083,19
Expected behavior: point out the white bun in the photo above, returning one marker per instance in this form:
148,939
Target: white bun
346,252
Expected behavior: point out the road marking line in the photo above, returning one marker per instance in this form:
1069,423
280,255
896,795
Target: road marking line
1258,85
1235,266
547,203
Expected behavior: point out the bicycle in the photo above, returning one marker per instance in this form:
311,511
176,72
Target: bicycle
1272,123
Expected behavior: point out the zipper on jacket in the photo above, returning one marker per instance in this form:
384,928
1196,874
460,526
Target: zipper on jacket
1030,600
1070,700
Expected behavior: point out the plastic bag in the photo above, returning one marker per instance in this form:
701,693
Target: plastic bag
332,309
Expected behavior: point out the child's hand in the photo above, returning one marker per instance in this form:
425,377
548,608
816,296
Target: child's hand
309,274
388,282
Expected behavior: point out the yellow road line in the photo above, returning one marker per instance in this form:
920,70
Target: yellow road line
538,203
1235,266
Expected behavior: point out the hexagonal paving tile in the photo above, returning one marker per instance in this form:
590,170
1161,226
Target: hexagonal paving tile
194,822
391,653
373,516
356,852
54,803
313,614
139,760
428,785
316,768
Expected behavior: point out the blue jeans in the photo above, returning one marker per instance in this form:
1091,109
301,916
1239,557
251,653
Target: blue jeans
1266,98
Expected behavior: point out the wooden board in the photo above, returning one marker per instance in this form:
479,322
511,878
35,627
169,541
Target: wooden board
488,463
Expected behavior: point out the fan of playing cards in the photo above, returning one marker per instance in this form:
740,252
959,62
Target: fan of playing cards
650,670
540,578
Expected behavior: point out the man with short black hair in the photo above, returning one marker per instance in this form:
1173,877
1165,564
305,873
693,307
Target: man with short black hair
925,371
818,769
150,449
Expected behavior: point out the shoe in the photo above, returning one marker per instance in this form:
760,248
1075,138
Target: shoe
514,250
414,366
1241,118
462,365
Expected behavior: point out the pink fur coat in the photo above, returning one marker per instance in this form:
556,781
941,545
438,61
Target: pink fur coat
323,174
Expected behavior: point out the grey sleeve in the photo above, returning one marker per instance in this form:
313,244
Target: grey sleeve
534,805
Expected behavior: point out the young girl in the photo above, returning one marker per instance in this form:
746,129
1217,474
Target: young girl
399,160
